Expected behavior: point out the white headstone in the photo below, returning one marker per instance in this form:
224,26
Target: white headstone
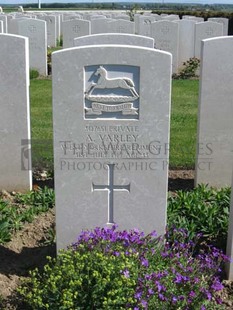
229,250
186,41
166,36
1,26
144,28
51,29
121,16
3,18
36,31
114,38
215,126
223,21
120,26
74,28
15,155
99,25
206,30
172,17
111,108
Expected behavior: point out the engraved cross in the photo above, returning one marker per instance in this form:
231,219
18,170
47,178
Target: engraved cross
120,29
110,187
165,30
32,28
76,28
209,31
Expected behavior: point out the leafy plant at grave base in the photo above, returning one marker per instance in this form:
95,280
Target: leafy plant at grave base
204,210
34,74
50,236
110,269
13,216
190,69
41,199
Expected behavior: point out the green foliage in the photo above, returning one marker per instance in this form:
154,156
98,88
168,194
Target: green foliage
133,10
189,70
204,210
111,270
34,74
24,209
42,199
60,41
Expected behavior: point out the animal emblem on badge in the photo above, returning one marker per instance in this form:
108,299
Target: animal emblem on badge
102,102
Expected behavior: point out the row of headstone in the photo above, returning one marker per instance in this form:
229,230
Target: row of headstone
182,38
107,165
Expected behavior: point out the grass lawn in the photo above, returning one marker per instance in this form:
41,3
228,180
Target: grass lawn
183,123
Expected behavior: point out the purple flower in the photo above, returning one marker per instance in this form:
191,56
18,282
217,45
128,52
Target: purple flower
145,262
174,299
153,234
161,297
144,303
138,295
126,273
150,291
217,285
192,294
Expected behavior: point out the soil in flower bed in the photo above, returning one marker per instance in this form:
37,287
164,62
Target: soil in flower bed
28,248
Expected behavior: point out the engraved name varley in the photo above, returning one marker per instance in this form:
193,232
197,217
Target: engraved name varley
104,98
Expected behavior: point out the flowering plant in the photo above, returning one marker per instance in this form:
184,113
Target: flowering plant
111,269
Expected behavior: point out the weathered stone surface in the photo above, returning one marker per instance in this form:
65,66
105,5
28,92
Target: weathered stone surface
111,107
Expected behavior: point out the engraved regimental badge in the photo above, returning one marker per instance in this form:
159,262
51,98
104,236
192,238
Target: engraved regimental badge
111,92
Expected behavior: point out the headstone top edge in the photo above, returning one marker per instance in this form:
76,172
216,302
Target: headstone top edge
214,39
122,46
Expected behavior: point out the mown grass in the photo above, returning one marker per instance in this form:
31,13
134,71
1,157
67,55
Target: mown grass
41,123
183,123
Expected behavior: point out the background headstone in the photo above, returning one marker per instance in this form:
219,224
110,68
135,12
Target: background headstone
35,30
108,131
51,30
223,21
15,161
186,41
144,27
74,28
100,25
206,30
166,36
215,126
1,26
120,26
114,38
